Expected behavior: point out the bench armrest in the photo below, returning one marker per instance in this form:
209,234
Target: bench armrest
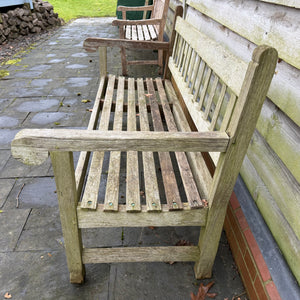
137,22
91,44
32,146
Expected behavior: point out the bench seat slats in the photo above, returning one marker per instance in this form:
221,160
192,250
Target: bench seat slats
113,178
184,168
146,33
132,179
134,36
149,99
90,196
140,32
153,32
167,171
151,185
128,32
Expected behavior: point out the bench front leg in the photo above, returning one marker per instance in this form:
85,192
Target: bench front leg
63,167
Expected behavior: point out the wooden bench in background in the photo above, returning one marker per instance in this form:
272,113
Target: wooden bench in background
153,133
143,30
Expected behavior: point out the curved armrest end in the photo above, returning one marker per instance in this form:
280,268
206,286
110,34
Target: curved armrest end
25,153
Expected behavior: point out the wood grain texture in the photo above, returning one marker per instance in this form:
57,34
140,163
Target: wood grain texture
90,195
151,185
282,186
84,156
167,171
140,254
257,81
284,91
44,140
255,21
113,178
132,166
230,69
165,217
63,167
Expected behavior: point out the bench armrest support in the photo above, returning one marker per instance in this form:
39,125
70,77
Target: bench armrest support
32,146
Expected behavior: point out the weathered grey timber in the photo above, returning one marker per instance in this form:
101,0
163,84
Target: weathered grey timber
224,115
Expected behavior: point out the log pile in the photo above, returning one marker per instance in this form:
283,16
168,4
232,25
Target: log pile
22,21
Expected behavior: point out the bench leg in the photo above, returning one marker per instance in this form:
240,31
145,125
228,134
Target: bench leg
63,167
124,61
209,243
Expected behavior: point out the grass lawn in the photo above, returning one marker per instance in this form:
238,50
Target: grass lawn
70,9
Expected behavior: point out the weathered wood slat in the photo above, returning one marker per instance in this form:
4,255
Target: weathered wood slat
228,113
151,186
195,75
140,254
191,68
90,196
128,32
198,80
113,178
98,218
146,33
84,156
134,33
167,171
152,32
190,187
200,171
140,32
204,88
211,97
218,107
132,165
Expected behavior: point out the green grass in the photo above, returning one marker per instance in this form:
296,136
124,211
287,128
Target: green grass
71,9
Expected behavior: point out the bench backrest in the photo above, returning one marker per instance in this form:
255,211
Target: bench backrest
221,92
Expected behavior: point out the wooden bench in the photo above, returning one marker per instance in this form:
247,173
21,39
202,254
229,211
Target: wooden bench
143,30
153,133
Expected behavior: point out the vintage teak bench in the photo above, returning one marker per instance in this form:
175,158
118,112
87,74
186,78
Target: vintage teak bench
143,30
152,132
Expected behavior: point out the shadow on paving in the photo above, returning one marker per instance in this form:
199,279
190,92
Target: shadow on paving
45,90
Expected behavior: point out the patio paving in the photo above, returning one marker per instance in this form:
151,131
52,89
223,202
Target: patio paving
44,90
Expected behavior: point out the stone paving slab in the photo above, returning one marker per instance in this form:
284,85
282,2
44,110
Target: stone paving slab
41,275
11,227
45,89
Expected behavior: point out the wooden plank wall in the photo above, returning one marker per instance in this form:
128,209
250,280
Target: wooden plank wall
271,169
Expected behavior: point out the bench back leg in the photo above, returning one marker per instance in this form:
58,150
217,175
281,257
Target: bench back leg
63,167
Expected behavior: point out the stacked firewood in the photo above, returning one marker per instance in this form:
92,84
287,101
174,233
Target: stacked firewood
22,21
